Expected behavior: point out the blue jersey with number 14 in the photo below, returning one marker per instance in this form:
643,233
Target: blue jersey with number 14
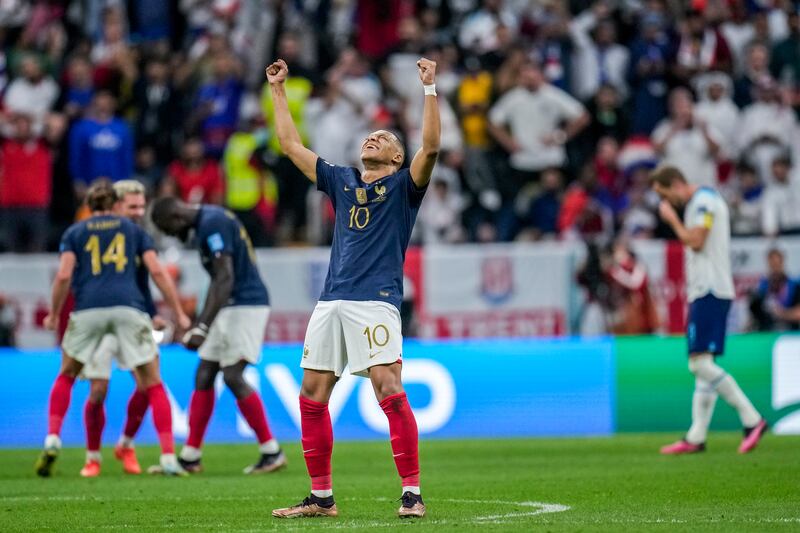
108,252
371,233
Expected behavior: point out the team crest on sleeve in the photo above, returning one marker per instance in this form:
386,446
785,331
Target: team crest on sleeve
497,279
361,195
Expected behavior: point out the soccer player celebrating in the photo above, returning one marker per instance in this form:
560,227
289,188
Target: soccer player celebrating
131,204
357,320
705,232
229,331
98,258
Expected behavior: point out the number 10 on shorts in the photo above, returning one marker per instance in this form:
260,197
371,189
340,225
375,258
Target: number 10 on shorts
377,336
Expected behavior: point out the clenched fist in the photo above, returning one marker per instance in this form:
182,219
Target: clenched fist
427,71
277,72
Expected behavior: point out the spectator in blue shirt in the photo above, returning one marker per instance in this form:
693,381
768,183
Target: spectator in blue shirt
218,104
100,145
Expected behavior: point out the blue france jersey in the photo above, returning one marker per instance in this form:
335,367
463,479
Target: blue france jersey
371,233
143,279
220,232
108,252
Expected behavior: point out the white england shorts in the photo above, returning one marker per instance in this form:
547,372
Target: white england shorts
131,328
237,333
358,334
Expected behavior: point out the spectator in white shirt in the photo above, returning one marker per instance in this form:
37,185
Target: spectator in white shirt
745,196
540,118
716,108
685,141
598,60
781,213
32,93
479,30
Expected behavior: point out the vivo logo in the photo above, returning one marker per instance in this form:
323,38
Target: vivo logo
786,383
425,372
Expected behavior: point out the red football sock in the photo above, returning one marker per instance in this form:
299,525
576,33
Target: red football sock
200,408
253,411
317,440
162,416
60,396
405,439
94,416
137,407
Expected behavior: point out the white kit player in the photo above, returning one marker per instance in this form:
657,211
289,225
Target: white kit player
705,232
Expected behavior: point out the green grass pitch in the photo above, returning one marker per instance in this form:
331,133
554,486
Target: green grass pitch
603,484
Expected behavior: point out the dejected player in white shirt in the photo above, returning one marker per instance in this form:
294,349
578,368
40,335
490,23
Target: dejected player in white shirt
705,232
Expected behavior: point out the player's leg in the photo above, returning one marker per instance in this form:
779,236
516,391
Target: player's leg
94,418
125,450
386,381
250,405
201,406
323,360
60,396
704,367
317,442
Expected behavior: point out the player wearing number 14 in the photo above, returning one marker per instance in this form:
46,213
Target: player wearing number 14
357,321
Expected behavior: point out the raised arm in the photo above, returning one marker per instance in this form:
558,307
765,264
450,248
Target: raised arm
289,138
425,158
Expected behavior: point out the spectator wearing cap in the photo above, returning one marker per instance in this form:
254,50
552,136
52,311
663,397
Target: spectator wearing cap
781,214
100,145
687,142
25,185
599,60
650,57
540,119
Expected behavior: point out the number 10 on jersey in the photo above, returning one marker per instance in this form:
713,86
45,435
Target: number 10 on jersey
359,217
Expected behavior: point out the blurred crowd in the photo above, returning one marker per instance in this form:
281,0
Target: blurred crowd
553,111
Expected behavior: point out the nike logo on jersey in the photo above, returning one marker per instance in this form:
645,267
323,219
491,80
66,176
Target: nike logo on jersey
346,188
309,451
371,355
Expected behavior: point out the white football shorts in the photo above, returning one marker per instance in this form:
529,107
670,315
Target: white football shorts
358,334
237,333
131,328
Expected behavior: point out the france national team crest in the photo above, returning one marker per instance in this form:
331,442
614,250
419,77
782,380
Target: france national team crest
497,279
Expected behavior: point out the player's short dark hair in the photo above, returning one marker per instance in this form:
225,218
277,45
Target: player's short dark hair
163,208
101,196
665,176
399,144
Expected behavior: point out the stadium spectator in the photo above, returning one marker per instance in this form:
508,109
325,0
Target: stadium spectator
716,108
585,214
775,302
78,88
158,110
540,119
701,48
785,62
194,178
687,142
781,208
217,104
745,196
479,30
33,93
599,59
755,73
539,219
473,99
552,46
650,59
100,145
632,310
25,184
440,216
